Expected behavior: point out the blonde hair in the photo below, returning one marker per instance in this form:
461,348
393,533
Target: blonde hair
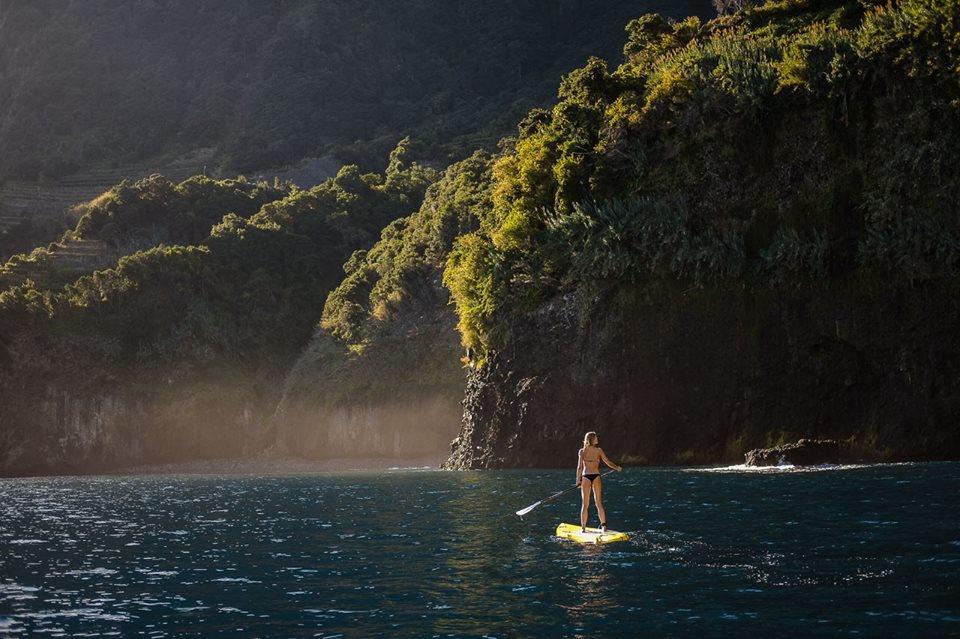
589,438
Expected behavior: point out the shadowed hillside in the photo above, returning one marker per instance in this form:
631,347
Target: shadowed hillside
98,91
267,83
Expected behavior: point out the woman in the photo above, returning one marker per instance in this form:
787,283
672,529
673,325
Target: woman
588,476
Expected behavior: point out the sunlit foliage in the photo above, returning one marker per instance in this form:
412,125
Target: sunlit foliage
410,254
245,298
784,143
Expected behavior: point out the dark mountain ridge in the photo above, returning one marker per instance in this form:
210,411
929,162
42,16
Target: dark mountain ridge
267,83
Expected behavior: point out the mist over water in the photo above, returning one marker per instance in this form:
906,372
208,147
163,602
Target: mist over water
859,551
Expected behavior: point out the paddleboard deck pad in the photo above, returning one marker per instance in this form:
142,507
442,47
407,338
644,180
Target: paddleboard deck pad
592,536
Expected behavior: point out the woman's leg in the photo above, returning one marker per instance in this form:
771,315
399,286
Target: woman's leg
598,497
585,503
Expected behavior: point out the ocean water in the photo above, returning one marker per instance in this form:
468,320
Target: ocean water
852,551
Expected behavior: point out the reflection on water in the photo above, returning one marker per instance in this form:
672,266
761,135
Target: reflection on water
592,594
843,551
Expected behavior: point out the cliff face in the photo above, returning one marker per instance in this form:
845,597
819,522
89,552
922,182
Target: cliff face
410,427
177,353
382,375
398,396
674,376
57,431
745,234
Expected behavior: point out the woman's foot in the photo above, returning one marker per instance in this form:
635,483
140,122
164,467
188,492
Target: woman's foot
603,526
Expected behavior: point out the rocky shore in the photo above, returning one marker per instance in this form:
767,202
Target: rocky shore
806,452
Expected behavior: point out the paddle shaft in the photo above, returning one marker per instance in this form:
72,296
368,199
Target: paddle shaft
524,511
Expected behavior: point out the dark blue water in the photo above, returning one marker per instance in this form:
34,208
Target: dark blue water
872,551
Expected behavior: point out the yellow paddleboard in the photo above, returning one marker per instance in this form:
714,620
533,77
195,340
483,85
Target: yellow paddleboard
592,536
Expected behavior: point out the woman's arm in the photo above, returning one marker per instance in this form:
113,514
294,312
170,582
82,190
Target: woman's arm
579,465
609,463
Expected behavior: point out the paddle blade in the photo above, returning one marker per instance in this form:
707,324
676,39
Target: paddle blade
524,511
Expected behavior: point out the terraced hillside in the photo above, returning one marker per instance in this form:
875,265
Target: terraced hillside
33,213
19,199
59,263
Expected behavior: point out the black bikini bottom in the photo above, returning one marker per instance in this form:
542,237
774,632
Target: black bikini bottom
591,476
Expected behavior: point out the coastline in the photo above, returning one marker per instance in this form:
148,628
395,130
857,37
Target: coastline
278,466
296,465
255,466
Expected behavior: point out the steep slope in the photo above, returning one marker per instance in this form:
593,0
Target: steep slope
266,84
93,92
382,375
747,232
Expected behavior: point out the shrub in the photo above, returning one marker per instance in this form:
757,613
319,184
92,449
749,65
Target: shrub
744,68
917,247
790,259
639,238
476,279
409,253
815,60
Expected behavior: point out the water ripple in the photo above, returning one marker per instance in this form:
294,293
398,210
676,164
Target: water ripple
868,550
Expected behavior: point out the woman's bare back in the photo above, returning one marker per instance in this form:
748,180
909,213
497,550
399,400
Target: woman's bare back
591,459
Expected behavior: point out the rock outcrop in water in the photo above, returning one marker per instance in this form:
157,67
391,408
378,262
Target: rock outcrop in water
806,452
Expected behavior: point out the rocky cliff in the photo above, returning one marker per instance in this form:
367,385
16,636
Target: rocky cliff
178,353
745,234
382,375
667,375
396,397
55,430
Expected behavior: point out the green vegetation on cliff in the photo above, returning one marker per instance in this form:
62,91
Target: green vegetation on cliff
388,326
157,211
244,299
410,254
384,363
792,141
137,216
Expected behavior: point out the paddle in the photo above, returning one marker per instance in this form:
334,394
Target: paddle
524,511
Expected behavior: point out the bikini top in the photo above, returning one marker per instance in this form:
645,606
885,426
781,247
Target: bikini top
590,461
